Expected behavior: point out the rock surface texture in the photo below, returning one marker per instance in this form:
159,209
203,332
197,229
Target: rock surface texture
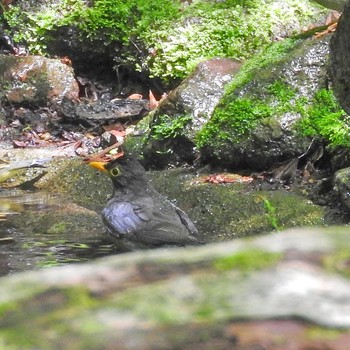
294,282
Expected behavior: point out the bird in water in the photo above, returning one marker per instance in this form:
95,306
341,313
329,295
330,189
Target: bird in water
140,215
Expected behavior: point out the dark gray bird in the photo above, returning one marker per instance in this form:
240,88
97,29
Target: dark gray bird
139,214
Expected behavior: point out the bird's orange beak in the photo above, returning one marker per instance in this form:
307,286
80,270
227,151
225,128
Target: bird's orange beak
99,166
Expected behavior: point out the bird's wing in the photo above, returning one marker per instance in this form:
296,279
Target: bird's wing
123,218
164,229
187,221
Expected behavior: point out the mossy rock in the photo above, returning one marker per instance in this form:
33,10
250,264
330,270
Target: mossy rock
255,124
220,211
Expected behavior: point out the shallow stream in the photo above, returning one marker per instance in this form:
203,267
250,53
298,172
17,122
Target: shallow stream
39,229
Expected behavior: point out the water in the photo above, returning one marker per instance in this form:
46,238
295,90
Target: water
39,229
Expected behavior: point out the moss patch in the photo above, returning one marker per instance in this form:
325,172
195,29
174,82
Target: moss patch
324,117
319,333
338,262
235,117
248,260
179,35
48,311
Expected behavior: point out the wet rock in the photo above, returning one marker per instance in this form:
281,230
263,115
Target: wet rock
196,97
293,285
342,185
255,123
339,59
36,81
220,212
93,115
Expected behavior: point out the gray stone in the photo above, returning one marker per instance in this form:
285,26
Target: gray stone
36,80
339,59
159,299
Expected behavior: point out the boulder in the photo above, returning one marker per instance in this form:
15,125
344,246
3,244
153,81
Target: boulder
255,125
339,59
193,100
282,291
36,81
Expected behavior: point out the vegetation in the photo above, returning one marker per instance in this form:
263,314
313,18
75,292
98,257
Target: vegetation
325,118
168,127
124,21
230,28
248,260
164,37
233,120
271,212
235,116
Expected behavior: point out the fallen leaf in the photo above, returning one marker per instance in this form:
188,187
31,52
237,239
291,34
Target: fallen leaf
135,97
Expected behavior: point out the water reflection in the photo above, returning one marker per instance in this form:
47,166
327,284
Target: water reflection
39,229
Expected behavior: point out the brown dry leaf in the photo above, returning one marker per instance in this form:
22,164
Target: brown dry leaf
225,178
135,97
153,103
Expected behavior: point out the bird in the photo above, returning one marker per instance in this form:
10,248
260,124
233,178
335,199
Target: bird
138,214
9,169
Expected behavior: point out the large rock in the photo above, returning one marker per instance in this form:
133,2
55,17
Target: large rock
36,81
291,290
340,59
195,98
255,124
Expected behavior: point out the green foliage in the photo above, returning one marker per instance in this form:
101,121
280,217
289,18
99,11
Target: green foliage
168,127
324,117
270,211
272,55
122,20
235,117
249,260
33,27
178,35
235,29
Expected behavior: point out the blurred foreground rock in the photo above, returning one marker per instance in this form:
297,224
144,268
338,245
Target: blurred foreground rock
291,288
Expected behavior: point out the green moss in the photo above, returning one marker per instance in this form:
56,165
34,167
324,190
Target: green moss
235,29
7,307
249,260
324,117
272,55
178,35
121,20
230,123
168,127
235,117
338,262
319,333
48,311
57,228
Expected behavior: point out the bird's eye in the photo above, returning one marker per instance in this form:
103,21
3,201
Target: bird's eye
115,172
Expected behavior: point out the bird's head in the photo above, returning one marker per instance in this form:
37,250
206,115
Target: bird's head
124,171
